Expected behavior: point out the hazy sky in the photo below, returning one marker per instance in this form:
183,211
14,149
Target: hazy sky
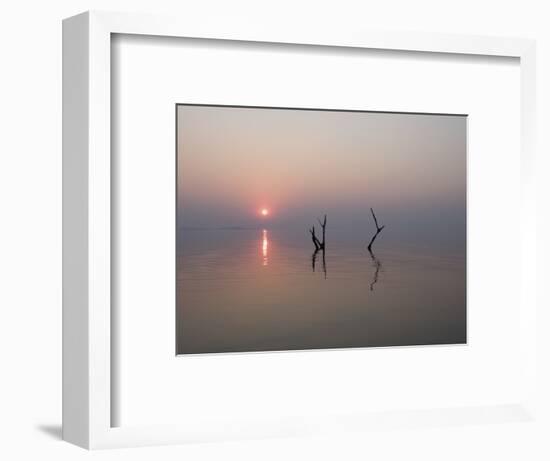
300,164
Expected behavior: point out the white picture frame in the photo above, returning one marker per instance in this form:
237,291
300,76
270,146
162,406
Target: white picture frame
87,360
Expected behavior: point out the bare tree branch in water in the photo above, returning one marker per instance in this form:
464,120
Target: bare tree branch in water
377,265
323,226
314,239
318,244
378,230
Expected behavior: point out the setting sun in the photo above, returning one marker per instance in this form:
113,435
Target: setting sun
264,212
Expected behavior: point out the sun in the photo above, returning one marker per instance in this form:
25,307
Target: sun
264,212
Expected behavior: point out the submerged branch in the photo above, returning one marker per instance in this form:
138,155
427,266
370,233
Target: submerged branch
319,245
323,226
378,230
314,239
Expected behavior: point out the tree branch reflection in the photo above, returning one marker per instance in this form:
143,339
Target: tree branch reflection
377,265
314,260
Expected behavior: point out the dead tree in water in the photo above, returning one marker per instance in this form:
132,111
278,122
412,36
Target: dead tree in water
315,239
324,226
378,230
318,244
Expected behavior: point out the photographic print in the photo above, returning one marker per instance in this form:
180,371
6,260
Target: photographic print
307,229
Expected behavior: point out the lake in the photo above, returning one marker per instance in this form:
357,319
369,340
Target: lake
242,290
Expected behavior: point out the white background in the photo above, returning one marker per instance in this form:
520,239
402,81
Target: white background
30,244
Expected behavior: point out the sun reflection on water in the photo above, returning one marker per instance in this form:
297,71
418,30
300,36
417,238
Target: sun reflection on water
265,247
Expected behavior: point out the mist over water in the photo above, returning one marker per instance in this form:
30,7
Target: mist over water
260,290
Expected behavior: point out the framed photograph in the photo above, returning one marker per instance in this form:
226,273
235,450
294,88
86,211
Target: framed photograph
285,232
258,271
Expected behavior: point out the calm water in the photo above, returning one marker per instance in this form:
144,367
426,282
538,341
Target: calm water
259,290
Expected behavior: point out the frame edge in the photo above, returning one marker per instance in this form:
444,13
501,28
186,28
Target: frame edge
75,260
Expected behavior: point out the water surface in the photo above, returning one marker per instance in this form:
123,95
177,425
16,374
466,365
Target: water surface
263,289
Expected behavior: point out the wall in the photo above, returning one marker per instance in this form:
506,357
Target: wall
30,243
